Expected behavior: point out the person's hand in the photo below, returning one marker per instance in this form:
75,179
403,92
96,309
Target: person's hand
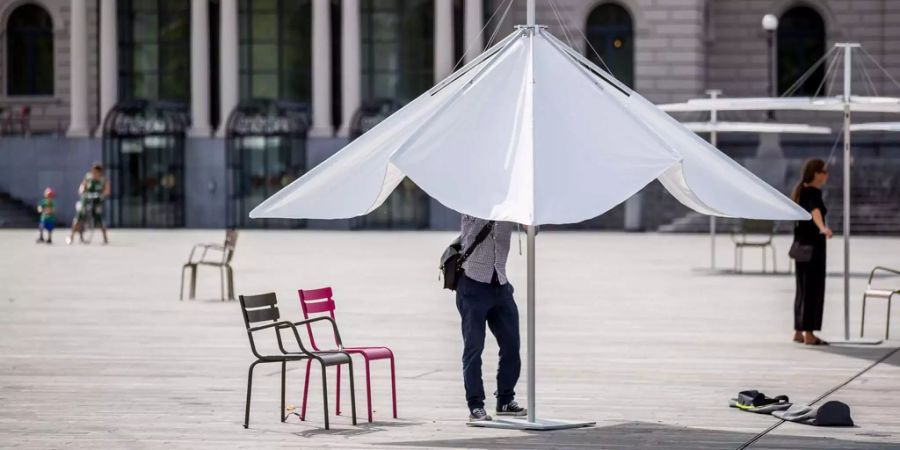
827,232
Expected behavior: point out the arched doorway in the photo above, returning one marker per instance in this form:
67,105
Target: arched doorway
610,31
266,150
408,207
801,42
29,39
143,151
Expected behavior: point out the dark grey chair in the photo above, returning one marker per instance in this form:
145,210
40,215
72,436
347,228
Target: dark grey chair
885,293
264,308
754,234
226,253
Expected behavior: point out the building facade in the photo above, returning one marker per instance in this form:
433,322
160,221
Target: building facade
202,108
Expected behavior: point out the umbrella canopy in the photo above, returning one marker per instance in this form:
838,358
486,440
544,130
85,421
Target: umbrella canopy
857,104
876,126
529,132
754,127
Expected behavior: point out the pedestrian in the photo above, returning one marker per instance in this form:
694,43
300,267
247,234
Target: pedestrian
484,296
47,209
809,241
93,189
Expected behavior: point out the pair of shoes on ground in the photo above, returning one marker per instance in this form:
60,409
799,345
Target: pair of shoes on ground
510,409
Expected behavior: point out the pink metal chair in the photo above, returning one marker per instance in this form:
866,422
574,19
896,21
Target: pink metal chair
320,301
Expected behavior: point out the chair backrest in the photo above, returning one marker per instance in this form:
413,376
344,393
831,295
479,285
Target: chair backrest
258,308
316,301
230,243
753,226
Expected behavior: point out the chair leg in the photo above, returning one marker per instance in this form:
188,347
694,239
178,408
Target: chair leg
181,288
393,387
352,393
764,259
230,277
222,283
368,391
283,416
337,393
305,389
193,294
325,394
887,327
862,321
249,389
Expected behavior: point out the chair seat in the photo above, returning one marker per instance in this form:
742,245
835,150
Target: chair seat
753,244
333,358
881,293
370,352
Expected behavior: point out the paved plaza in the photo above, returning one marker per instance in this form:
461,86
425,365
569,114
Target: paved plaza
98,352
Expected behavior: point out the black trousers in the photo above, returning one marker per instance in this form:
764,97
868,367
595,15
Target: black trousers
809,301
491,304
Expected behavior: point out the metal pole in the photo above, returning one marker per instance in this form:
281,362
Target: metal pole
530,13
531,329
848,50
713,140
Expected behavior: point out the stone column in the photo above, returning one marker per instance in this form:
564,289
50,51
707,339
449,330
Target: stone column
228,61
78,76
321,62
474,23
109,60
443,38
350,63
200,126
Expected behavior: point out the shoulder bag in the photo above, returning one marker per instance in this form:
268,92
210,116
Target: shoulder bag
453,258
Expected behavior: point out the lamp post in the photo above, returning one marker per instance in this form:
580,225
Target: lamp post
770,25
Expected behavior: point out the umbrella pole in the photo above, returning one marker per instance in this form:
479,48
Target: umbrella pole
532,414
848,50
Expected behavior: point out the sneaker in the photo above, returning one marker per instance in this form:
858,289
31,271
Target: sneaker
511,409
478,415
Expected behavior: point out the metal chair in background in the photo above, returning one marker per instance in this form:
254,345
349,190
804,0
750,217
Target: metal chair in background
887,294
264,308
754,234
226,251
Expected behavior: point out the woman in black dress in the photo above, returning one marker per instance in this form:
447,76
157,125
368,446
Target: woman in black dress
810,298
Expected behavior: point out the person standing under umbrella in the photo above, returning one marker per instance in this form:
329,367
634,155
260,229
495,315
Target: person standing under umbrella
485,296
809,300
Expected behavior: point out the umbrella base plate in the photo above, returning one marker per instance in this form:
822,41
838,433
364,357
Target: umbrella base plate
537,425
855,341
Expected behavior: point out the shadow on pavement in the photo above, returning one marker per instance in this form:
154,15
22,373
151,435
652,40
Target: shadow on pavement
870,353
640,435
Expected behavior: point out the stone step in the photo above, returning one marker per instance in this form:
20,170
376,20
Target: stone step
16,214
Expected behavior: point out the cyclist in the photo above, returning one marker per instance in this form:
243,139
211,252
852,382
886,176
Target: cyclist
92,191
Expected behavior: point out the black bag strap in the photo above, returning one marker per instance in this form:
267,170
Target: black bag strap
479,238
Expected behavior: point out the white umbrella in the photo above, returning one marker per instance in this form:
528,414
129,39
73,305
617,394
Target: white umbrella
845,103
530,132
876,126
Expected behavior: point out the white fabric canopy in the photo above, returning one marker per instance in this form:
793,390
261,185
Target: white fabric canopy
857,104
754,127
876,126
533,133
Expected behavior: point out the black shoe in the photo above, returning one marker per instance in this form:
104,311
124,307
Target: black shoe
511,409
478,415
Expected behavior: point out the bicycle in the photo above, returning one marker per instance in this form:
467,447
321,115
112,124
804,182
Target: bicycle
94,203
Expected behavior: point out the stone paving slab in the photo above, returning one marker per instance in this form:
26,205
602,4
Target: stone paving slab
98,352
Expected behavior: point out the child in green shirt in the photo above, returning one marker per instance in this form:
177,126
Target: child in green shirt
48,217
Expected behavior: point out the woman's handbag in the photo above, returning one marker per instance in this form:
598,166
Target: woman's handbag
452,260
800,253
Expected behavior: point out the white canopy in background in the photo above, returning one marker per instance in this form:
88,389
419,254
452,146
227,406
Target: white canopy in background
530,132
876,126
754,127
857,104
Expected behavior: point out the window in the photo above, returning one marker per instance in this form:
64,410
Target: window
154,50
801,42
397,48
276,49
611,33
30,51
